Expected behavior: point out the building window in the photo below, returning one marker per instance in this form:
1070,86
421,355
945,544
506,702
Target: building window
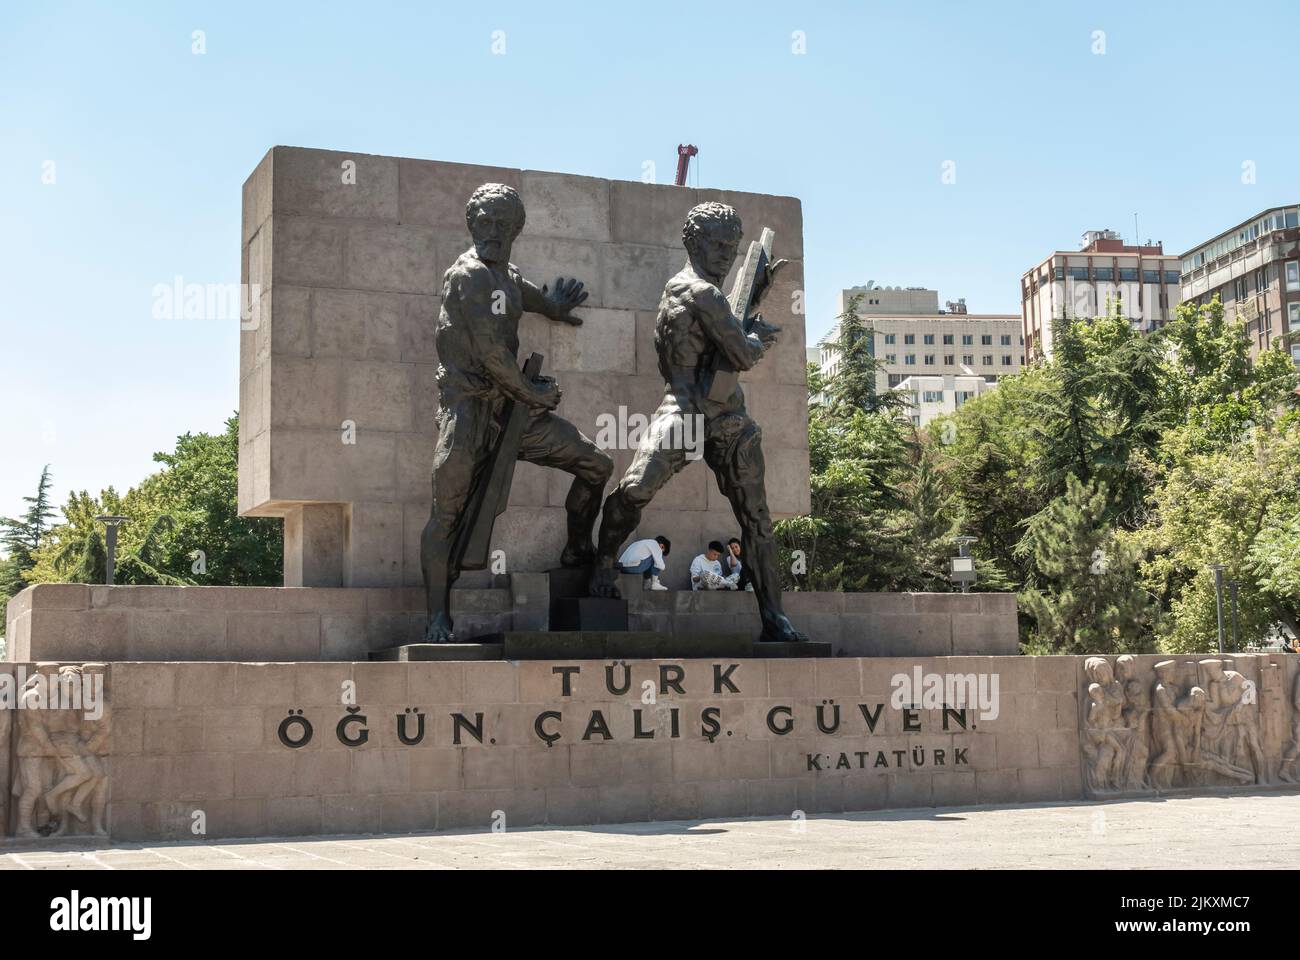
1150,276
1293,315
986,340
909,338
1006,339
896,378
1006,359
1293,276
967,339
929,359
891,338
1128,275
1239,288
1172,276
1078,273
947,339
1105,273
988,359
1058,273
910,360
929,339
891,358
932,396
967,359
948,359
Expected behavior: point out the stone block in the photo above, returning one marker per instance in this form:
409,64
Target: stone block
329,183
401,258
373,554
563,205
649,213
632,277
308,251
357,324
273,636
605,343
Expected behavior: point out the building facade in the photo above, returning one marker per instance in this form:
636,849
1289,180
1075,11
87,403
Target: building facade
911,337
1254,268
933,396
1143,279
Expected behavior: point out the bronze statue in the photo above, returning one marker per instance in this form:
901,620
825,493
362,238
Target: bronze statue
479,382
700,340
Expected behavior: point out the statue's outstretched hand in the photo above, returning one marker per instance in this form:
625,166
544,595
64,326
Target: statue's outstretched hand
567,295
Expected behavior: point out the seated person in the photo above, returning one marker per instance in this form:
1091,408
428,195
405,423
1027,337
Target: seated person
646,557
734,568
706,570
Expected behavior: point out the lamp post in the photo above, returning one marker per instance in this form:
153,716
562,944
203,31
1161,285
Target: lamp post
1218,569
962,566
1232,594
110,523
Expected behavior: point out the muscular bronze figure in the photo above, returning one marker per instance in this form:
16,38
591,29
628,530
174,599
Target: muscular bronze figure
695,332
483,297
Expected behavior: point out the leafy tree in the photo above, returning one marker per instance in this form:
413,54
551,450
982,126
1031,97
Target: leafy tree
182,525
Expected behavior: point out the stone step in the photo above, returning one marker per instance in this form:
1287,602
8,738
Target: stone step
604,645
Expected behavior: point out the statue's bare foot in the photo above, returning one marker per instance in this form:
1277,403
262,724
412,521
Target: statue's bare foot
604,583
782,631
578,555
439,630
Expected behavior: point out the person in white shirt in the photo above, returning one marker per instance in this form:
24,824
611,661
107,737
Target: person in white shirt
648,558
706,570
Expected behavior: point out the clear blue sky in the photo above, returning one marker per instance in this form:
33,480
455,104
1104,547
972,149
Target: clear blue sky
151,144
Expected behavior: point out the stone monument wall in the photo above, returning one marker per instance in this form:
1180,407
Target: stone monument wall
190,750
77,621
347,278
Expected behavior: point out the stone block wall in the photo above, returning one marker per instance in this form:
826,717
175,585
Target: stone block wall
264,749
72,621
347,280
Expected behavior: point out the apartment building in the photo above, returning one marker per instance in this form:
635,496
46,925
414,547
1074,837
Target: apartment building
1254,267
1142,278
912,336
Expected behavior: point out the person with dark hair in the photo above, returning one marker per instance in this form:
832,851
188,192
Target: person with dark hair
734,568
648,558
706,569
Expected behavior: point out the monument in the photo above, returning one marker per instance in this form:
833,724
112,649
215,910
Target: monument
201,712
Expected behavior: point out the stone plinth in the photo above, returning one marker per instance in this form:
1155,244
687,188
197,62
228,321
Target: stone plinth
348,279
79,622
266,749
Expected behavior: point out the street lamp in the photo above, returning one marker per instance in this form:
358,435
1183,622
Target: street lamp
1218,569
1232,594
110,523
962,566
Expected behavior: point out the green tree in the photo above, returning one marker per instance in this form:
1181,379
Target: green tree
21,537
182,527
1086,597
853,386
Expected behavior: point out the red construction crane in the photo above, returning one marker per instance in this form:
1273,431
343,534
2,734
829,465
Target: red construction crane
684,154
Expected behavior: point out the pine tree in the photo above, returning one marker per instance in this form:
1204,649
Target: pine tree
1086,597
853,386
